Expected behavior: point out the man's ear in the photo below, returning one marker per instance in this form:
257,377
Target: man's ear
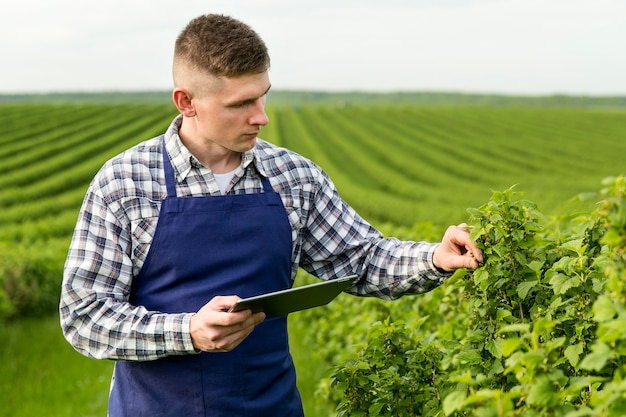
182,101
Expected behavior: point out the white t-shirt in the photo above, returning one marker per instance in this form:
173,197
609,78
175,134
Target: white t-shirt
223,180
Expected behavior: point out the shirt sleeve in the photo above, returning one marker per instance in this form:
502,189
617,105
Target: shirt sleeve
339,242
96,316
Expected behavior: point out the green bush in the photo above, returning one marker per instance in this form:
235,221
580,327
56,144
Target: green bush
30,278
537,330
387,376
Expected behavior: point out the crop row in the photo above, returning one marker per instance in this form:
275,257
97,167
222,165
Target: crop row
402,164
446,159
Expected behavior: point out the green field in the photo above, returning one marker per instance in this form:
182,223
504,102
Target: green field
402,164
398,165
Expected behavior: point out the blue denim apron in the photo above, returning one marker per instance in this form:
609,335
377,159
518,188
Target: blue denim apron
203,247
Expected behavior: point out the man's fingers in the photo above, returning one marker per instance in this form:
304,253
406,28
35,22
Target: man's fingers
466,242
213,328
457,250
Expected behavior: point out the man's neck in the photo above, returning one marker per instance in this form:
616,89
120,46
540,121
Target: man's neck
217,158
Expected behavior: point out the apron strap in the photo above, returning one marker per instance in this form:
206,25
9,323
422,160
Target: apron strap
267,187
170,183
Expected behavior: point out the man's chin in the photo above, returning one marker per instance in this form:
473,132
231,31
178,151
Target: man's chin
247,145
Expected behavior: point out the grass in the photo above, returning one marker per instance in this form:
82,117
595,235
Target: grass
41,375
308,372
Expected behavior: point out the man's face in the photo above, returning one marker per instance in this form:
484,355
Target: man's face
229,112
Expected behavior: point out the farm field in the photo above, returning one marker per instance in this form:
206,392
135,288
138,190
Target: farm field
401,165
404,168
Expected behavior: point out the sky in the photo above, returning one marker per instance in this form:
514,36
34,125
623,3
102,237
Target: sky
528,47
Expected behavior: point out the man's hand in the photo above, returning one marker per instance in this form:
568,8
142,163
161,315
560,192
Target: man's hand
457,250
213,329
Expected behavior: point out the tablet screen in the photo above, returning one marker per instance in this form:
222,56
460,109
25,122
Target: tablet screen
295,299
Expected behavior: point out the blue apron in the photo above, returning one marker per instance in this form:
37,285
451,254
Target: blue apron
203,247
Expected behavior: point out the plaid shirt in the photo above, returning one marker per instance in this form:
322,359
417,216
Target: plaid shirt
118,219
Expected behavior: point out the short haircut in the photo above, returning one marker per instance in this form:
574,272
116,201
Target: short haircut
221,46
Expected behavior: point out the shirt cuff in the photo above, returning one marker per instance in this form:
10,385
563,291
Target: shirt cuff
177,334
438,272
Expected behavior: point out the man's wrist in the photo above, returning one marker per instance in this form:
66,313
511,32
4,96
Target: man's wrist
178,335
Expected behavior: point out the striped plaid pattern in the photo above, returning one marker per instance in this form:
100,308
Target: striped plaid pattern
118,219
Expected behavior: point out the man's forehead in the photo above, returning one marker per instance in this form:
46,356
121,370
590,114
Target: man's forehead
249,86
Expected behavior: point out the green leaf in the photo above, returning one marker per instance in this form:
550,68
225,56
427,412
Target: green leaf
520,257
494,346
572,353
542,393
530,359
474,212
543,325
573,245
558,302
536,265
517,327
471,356
496,368
510,345
596,360
561,283
612,330
481,278
565,264
524,287
501,313
453,402
554,344
465,378
374,409
603,309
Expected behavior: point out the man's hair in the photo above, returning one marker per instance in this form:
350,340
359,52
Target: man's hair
221,46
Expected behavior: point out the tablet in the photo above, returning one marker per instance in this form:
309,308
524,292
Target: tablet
295,299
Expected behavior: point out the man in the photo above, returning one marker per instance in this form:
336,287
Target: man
173,231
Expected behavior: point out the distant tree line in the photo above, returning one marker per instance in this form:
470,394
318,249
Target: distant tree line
297,97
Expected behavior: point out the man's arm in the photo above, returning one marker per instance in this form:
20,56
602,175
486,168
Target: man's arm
339,242
96,317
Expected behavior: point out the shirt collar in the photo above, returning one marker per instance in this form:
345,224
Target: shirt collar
183,161
255,157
